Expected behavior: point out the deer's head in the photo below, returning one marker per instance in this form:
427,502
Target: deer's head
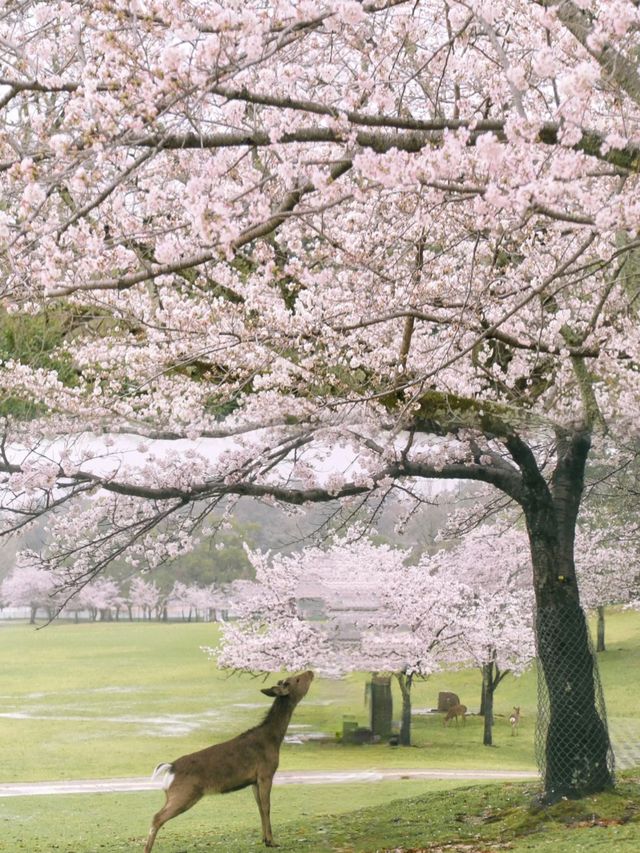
294,686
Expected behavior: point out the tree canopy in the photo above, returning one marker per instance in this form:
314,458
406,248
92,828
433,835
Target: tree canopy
311,217
397,234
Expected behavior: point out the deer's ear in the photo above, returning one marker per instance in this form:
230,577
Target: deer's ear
278,690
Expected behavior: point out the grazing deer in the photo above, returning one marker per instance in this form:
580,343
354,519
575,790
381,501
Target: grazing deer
514,719
455,711
251,758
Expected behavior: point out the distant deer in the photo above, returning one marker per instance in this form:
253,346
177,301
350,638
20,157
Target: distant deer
251,758
455,711
514,720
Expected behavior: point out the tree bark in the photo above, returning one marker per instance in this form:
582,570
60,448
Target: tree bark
577,747
487,692
405,682
600,645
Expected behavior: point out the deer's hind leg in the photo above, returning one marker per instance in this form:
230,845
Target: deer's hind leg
179,799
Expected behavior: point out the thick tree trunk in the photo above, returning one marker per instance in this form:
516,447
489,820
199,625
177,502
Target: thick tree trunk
600,645
576,748
577,745
405,682
487,693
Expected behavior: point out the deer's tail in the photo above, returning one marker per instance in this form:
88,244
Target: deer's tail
165,772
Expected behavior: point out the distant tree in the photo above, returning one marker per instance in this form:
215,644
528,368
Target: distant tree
102,598
607,567
376,613
499,639
218,557
31,585
196,601
423,610
144,595
497,625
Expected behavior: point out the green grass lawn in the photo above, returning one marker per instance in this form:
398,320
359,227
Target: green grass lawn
117,822
407,816
100,700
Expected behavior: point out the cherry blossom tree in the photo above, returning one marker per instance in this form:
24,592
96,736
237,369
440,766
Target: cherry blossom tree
376,613
181,596
607,569
496,626
423,613
31,585
268,631
144,595
499,638
101,598
195,600
402,228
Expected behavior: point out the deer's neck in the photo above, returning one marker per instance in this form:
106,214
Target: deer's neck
277,720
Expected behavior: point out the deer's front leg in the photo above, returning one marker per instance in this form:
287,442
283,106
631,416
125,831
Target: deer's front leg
262,793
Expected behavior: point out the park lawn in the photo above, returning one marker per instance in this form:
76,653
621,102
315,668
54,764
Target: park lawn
101,700
114,699
84,822
406,816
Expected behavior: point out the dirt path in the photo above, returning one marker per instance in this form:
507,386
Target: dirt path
294,777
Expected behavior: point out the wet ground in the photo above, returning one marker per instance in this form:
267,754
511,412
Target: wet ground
298,777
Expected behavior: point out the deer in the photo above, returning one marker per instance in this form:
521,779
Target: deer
251,758
514,720
454,712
